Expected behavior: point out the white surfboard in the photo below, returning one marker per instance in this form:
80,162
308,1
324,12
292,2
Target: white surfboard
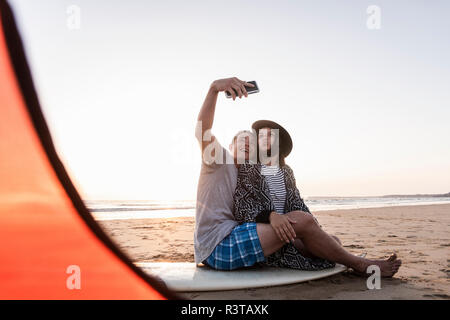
187,277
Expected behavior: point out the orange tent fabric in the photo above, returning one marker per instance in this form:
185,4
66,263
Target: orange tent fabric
44,226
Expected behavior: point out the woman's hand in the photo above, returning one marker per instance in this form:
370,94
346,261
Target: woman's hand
282,225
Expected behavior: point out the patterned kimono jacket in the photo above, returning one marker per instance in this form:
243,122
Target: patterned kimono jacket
253,203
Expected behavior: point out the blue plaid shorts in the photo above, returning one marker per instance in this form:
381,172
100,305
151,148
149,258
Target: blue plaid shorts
241,248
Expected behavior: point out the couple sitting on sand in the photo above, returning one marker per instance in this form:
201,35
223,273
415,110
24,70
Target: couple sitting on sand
249,211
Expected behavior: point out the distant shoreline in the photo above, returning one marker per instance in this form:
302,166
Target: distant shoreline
431,195
114,214
418,195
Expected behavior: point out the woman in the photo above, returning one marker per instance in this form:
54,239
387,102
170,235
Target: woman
267,190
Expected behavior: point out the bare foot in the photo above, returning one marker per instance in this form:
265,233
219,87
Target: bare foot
392,257
388,267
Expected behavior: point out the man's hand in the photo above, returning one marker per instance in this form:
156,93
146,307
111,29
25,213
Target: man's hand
282,225
232,83
206,115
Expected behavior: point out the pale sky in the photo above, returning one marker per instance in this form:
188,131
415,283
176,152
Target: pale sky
368,109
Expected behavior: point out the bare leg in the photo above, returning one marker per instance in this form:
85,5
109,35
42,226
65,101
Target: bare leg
301,247
322,245
337,239
304,251
269,240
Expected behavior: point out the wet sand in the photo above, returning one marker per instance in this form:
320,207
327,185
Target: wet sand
420,235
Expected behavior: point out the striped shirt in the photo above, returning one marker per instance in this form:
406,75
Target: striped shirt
275,179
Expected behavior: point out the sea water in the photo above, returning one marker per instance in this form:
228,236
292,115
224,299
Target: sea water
147,209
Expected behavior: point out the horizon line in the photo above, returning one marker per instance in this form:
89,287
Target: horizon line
306,197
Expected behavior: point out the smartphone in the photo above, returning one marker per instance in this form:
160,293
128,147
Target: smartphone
250,90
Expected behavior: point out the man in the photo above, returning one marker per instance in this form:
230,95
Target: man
218,176
223,244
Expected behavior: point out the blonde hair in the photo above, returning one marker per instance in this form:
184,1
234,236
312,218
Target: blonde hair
239,133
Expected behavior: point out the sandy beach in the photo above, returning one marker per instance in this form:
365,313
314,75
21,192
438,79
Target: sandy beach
418,234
